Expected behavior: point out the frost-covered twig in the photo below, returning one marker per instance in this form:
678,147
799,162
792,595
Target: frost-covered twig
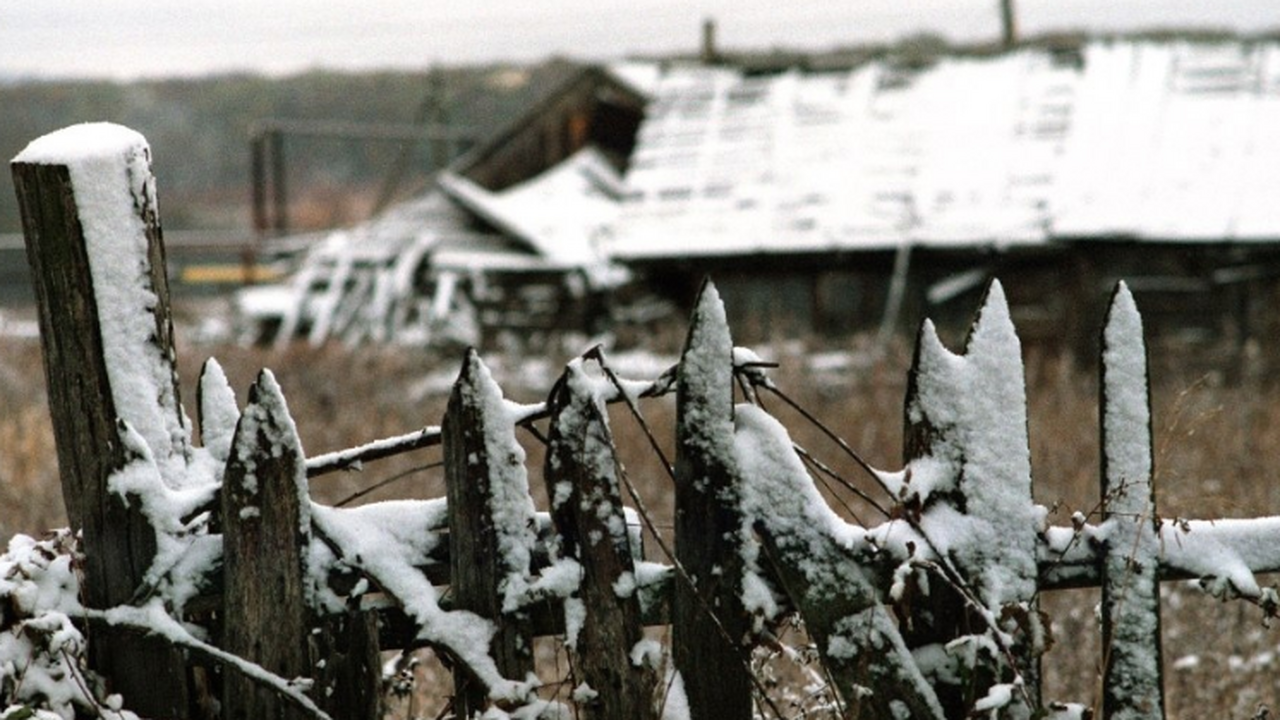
1079,523
354,458
152,619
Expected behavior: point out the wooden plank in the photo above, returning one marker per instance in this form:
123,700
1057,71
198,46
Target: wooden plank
266,533
349,680
582,476
492,529
708,524
118,541
1133,685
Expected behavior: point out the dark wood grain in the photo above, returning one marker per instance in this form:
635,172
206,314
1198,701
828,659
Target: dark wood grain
118,542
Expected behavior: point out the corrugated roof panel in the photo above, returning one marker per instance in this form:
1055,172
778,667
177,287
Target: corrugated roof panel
1164,141
1259,171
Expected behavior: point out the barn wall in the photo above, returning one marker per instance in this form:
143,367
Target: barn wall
1057,295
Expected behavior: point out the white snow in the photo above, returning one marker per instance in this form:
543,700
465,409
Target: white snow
39,644
1131,587
1022,148
1126,419
510,504
219,412
139,481
561,213
1000,695
386,541
778,495
349,457
675,703
776,490
976,403
269,418
646,653
706,373
153,619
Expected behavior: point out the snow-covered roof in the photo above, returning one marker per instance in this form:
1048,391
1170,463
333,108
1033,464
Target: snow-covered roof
363,281
641,76
560,214
1159,141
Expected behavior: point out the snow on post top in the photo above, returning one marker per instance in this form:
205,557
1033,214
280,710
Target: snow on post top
110,172
267,417
1127,417
510,505
83,143
708,349
976,403
706,377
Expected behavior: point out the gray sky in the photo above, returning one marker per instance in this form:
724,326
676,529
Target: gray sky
134,38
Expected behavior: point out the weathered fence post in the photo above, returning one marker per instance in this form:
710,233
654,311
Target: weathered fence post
582,477
93,240
709,624
1133,686
266,532
492,528
967,453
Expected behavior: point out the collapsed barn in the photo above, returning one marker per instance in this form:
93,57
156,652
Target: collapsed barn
507,239
833,201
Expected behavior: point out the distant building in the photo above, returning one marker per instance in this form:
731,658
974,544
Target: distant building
1057,169
846,199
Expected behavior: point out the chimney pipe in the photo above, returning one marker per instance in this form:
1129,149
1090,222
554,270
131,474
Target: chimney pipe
1008,24
709,53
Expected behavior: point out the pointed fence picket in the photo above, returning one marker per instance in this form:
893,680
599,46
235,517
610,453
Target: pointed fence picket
491,526
709,624
1131,641
603,619
932,614
966,417
266,529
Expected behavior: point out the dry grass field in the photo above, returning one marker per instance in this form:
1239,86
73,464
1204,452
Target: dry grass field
1218,445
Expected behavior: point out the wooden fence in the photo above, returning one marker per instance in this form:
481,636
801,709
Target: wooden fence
932,614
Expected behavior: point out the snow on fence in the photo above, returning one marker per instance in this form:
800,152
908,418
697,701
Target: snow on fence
211,585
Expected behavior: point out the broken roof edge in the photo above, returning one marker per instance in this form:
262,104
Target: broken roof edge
515,211
686,246
476,200
469,161
694,251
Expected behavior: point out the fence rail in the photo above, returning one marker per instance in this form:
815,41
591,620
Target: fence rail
931,614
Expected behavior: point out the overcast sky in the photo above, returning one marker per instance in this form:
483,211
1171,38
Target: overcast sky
134,38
